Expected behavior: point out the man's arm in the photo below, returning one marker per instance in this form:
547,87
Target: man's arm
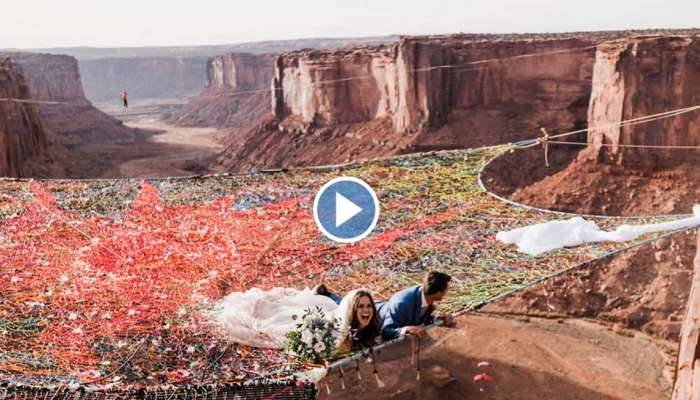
393,326
429,317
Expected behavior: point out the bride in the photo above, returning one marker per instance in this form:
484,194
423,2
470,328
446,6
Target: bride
262,319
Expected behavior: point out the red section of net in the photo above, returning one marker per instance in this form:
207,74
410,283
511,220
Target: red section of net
92,278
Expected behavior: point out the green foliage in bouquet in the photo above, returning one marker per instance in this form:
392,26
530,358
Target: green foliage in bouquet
314,337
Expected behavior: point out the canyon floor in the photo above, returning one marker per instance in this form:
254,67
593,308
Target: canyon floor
171,151
161,150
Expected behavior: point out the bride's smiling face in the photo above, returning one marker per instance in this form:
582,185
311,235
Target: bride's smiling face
365,311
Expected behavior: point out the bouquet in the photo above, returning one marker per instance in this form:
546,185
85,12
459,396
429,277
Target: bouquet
314,337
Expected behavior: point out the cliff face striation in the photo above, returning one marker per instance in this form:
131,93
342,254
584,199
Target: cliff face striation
639,77
22,135
56,79
633,78
423,84
422,93
236,72
236,93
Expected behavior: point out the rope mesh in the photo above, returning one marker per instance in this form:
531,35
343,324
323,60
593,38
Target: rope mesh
109,285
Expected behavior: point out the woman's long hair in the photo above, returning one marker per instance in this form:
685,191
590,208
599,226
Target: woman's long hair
365,337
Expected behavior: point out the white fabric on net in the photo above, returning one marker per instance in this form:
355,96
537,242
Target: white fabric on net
261,319
541,238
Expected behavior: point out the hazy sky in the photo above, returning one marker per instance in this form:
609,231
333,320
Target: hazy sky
116,23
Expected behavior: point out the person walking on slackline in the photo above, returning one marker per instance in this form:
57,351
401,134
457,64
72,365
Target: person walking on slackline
125,97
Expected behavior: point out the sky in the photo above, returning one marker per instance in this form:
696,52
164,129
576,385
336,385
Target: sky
130,23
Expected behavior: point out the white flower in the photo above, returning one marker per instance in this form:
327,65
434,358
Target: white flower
15,279
132,312
72,316
307,337
77,331
190,349
63,278
319,347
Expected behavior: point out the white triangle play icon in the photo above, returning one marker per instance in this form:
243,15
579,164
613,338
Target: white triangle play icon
344,209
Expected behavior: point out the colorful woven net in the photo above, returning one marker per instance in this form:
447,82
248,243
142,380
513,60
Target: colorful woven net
109,284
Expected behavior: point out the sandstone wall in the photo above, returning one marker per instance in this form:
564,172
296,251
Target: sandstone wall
333,87
236,72
424,83
236,94
22,135
638,77
56,78
51,77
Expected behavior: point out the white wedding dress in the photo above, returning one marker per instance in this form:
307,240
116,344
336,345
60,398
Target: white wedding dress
261,319
541,238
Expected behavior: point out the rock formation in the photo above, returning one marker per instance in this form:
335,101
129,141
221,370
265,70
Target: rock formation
645,288
421,93
633,78
644,76
22,135
56,79
424,83
237,72
236,93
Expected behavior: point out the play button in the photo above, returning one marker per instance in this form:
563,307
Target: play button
346,209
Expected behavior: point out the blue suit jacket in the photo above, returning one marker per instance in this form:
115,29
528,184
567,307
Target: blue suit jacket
403,309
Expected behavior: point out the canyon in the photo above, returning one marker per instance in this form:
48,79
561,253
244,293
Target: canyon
54,81
422,93
632,78
74,130
172,74
430,93
235,95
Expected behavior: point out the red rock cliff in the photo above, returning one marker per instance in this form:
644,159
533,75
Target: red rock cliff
236,93
51,77
239,71
421,93
21,133
426,83
644,76
56,78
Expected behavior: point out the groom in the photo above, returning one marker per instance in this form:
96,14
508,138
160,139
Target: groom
409,310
